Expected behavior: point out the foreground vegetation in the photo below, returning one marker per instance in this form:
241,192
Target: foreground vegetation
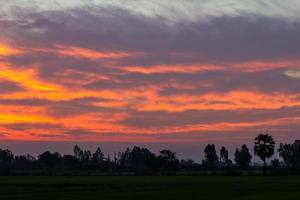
140,160
150,187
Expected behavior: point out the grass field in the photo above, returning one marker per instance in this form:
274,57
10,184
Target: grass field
153,187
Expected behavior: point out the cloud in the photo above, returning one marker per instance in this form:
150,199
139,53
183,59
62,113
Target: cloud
32,126
9,87
6,50
149,71
173,11
293,73
163,119
221,39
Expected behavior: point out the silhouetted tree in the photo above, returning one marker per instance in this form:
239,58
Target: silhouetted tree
275,163
168,155
6,159
243,156
78,153
141,158
290,154
108,159
87,156
211,157
24,161
264,148
115,158
98,156
50,160
224,157
70,161
138,159
168,160
187,164
124,158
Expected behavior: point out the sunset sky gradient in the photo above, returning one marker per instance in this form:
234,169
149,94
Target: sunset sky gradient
192,71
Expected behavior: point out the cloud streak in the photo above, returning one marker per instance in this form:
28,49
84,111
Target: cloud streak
149,72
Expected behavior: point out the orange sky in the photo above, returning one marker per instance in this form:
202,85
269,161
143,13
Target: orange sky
43,107
132,78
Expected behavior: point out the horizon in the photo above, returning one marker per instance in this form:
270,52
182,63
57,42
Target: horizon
194,151
117,73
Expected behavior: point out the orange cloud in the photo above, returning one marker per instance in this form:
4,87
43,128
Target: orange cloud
119,102
12,118
218,101
78,52
6,50
255,66
77,77
27,78
160,69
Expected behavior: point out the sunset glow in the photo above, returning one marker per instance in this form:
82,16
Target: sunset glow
130,76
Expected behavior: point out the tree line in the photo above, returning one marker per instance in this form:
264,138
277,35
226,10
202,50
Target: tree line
142,160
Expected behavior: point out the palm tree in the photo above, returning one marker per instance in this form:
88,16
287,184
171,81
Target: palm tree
264,148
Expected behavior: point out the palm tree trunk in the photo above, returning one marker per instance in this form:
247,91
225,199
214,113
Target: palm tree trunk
265,168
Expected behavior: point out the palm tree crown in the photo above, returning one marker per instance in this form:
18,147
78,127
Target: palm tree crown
264,146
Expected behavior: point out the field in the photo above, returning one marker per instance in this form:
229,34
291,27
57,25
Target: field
152,187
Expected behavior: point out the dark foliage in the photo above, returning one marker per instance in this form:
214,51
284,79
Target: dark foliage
211,157
243,156
50,160
142,160
224,158
264,147
290,154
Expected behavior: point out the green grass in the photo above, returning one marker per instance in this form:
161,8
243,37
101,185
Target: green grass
152,187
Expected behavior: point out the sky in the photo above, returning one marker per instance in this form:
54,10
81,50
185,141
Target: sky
179,73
